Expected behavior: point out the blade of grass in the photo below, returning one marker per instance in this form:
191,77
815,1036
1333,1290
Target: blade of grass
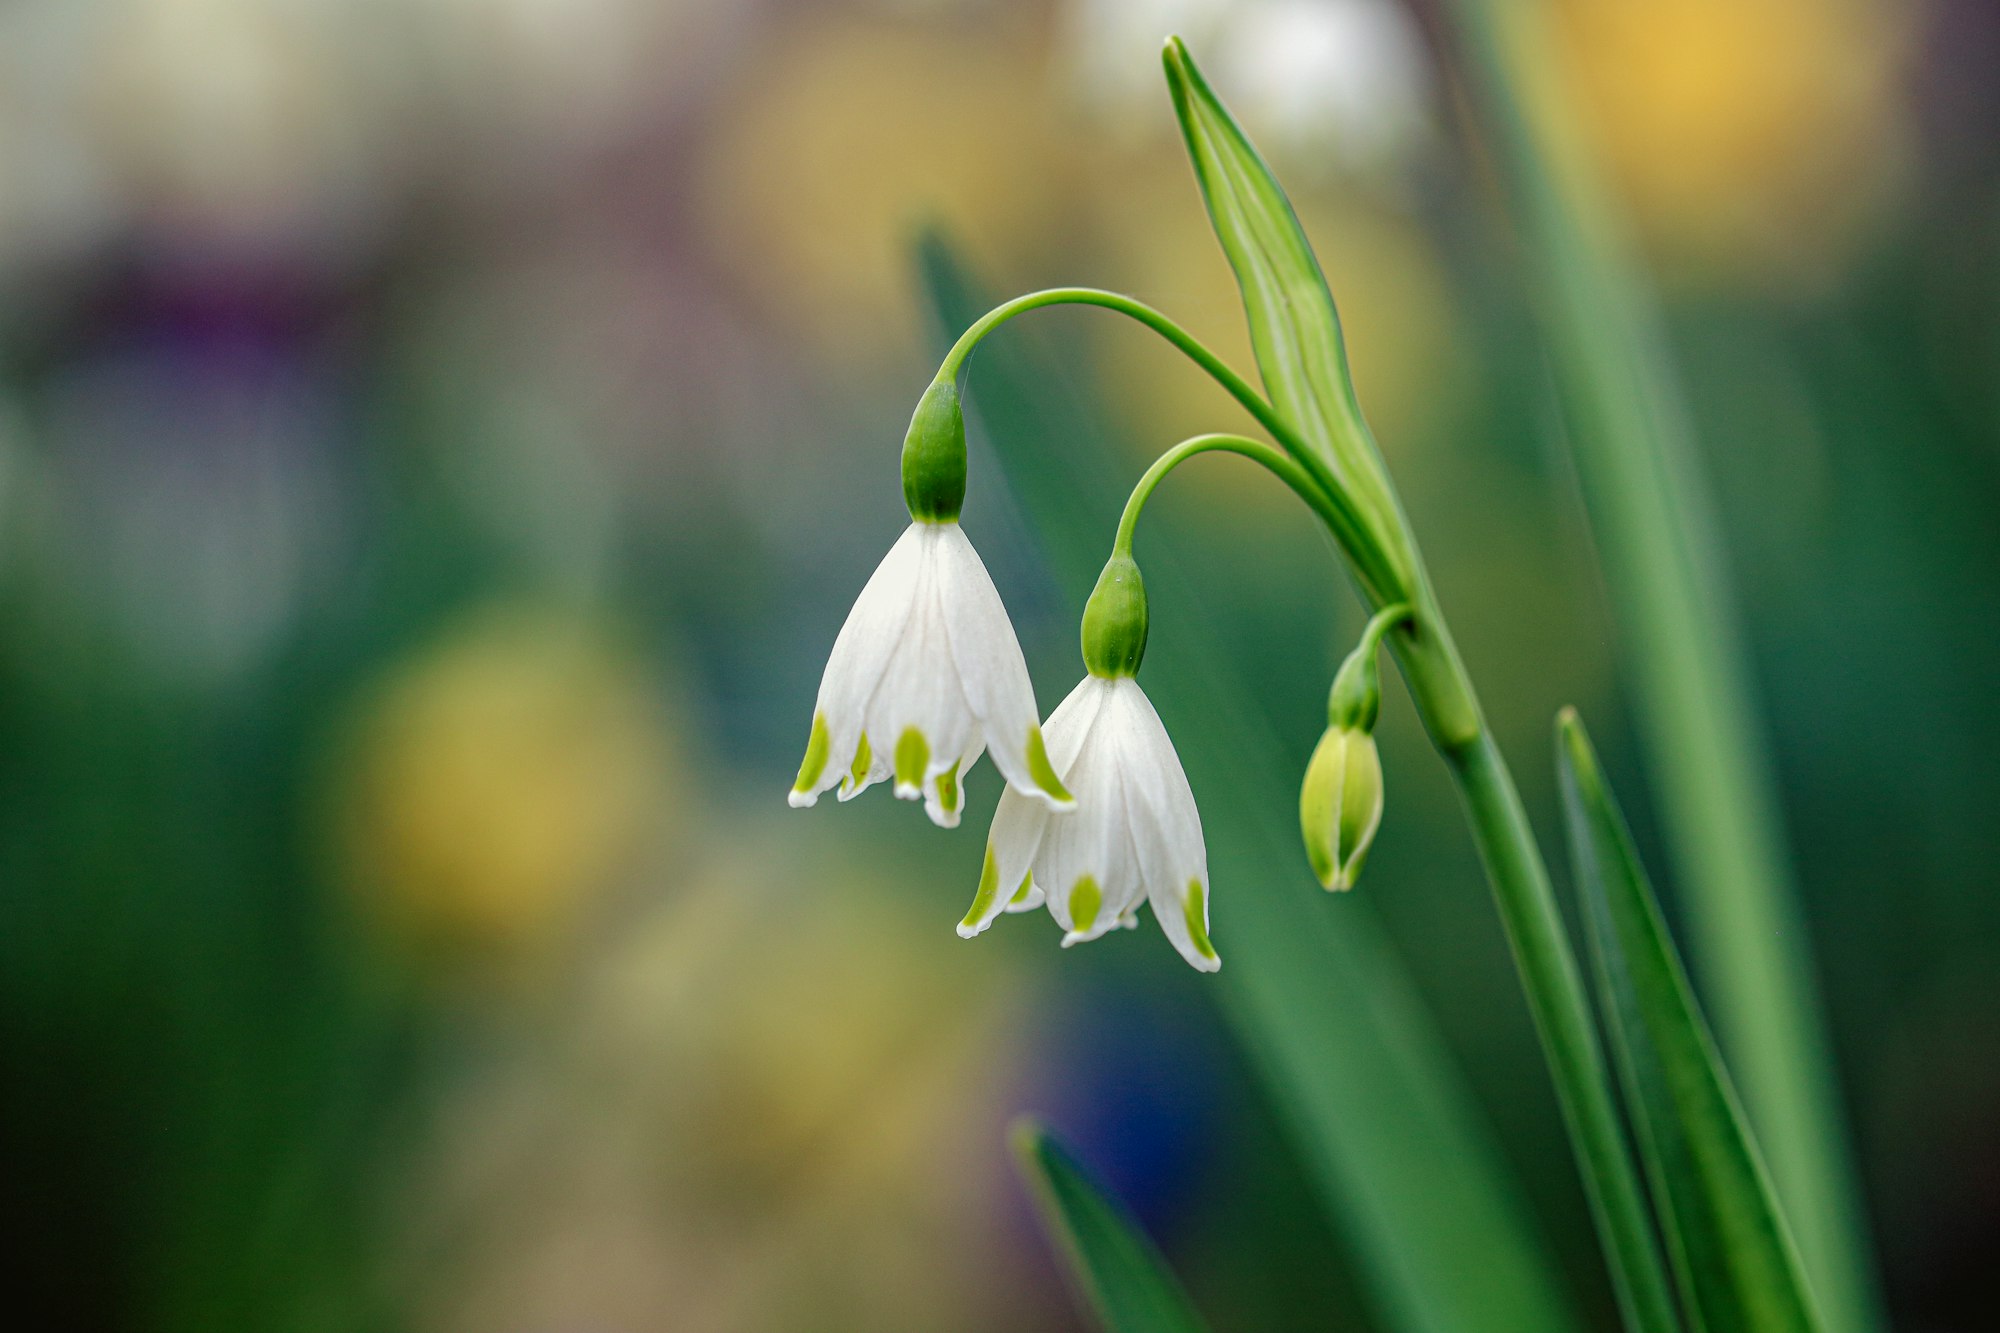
1118,1271
1636,457
1330,1019
1732,1253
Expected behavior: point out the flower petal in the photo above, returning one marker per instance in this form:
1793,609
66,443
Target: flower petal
1004,884
861,653
918,713
1166,828
1085,862
991,671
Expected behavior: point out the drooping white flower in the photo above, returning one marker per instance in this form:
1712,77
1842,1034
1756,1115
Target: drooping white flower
1135,833
925,676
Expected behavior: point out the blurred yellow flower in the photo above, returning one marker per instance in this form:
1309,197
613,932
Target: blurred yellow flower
774,1103
846,137
499,779
1752,138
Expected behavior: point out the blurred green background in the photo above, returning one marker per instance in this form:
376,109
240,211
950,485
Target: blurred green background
439,440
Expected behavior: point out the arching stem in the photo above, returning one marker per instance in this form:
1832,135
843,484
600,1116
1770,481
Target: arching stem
1279,464
1381,580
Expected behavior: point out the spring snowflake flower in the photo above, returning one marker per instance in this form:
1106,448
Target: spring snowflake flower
1135,834
925,676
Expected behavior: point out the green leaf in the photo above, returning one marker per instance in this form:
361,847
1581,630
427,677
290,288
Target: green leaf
1377,1111
1640,467
1294,328
1295,334
1120,1273
1732,1253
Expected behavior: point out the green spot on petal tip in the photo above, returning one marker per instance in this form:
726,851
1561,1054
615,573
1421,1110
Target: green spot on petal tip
1084,901
857,772
1042,771
814,763
989,886
913,756
1194,909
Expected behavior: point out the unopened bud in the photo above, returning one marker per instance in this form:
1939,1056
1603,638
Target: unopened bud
1340,804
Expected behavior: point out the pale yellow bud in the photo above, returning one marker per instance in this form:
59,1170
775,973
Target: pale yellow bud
1340,805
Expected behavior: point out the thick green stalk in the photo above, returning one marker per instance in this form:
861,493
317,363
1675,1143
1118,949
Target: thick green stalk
1550,977
1637,462
1556,998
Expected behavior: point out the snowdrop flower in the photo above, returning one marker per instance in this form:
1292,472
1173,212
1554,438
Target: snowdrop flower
1136,834
926,675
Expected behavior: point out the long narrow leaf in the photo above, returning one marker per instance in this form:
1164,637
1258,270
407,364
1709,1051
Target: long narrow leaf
1637,459
1117,1269
1329,1017
1294,328
1733,1255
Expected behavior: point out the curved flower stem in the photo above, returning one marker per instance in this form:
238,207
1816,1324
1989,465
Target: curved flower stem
1378,575
1279,464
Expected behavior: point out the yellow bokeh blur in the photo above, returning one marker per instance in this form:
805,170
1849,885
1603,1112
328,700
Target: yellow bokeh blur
750,1115
848,135
1754,140
499,779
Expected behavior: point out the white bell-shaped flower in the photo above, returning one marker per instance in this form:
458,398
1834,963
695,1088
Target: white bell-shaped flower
925,676
1135,833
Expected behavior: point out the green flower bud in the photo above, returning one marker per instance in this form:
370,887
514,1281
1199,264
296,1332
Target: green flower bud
1340,805
934,456
1114,620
